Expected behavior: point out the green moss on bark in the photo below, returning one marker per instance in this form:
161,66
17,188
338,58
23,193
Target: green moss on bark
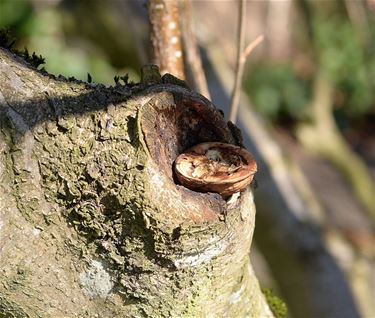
278,307
102,198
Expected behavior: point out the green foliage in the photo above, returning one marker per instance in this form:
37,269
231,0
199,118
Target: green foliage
277,91
344,59
41,29
282,90
14,13
277,306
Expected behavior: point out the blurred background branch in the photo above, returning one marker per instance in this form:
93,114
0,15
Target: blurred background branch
194,69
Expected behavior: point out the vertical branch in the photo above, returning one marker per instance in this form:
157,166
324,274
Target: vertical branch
191,50
166,36
242,54
278,30
239,70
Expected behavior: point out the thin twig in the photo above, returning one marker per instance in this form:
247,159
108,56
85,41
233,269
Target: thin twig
193,67
238,72
242,54
251,47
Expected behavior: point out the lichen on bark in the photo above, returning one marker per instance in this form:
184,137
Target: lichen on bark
92,221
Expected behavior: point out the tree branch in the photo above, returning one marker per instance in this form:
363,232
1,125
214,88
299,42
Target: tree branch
242,54
191,50
166,36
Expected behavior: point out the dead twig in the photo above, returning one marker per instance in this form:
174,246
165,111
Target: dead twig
242,54
251,47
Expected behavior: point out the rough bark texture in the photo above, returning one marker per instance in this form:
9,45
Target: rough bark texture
92,223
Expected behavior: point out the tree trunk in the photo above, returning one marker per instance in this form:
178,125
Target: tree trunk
92,223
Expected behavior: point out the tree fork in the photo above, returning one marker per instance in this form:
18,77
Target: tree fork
92,221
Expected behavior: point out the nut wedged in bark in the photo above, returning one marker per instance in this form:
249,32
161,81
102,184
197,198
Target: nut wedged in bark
215,167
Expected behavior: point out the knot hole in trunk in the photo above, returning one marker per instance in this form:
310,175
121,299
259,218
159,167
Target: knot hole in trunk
174,122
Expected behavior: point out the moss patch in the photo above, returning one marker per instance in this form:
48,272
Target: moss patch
278,307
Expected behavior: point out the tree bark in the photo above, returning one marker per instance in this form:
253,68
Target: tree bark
92,223
165,36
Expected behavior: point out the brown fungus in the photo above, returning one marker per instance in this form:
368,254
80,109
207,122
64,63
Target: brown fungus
215,167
